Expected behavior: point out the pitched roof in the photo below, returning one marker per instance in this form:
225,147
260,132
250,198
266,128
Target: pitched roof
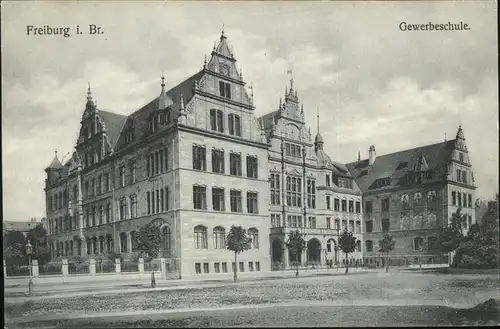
55,164
114,123
391,169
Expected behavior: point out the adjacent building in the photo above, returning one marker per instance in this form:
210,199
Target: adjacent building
411,194
21,226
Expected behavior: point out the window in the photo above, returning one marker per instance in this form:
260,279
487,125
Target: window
385,204
219,238
99,185
464,202
250,266
385,224
418,243
224,267
469,219
242,267
200,237
148,201
218,199
235,197
199,197
470,200
167,196
431,243
197,267
311,193
122,176
257,266
358,207
464,177
344,205
294,191
275,189
328,223
358,226
94,215
108,213
235,164
293,150
252,207
312,222
218,161
327,180
275,220
336,204
252,167
205,268
369,245
225,89
91,192
106,182
337,224
132,173
234,123
358,246
133,206
351,226
461,157
253,234
459,173
351,206
217,267
123,208
454,198
344,225
459,199
369,226
199,158
101,214
368,207
216,120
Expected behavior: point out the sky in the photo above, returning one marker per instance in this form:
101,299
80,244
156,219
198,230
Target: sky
373,83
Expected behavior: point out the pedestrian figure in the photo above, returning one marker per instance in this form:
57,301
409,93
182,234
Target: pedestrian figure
153,282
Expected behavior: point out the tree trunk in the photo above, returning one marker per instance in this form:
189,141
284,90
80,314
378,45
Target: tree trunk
296,264
346,263
235,269
387,263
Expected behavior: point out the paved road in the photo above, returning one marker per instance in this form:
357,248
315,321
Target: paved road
283,316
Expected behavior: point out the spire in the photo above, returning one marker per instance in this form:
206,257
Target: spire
445,136
302,108
251,94
55,164
318,141
222,36
359,155
205,62
162,82
89,93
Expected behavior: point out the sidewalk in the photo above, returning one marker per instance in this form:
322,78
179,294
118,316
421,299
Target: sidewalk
19,293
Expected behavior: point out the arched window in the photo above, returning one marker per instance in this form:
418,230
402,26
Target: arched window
165,233
369,245
219,238
133,239
330,245
358,246
109,243
123,242
200,237
253,234
418,243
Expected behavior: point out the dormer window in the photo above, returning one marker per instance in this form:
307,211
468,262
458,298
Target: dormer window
225,89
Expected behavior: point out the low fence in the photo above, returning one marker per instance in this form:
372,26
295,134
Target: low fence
94,266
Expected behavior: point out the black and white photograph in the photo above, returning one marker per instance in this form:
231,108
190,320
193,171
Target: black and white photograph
250,164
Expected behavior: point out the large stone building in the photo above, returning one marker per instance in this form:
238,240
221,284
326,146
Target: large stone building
411,194
196,160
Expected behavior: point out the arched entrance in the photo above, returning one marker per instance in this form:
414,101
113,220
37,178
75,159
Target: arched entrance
314,251
276,251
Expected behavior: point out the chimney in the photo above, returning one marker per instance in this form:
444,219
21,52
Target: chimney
372,155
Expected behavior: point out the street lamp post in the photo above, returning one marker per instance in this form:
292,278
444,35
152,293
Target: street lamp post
29,250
